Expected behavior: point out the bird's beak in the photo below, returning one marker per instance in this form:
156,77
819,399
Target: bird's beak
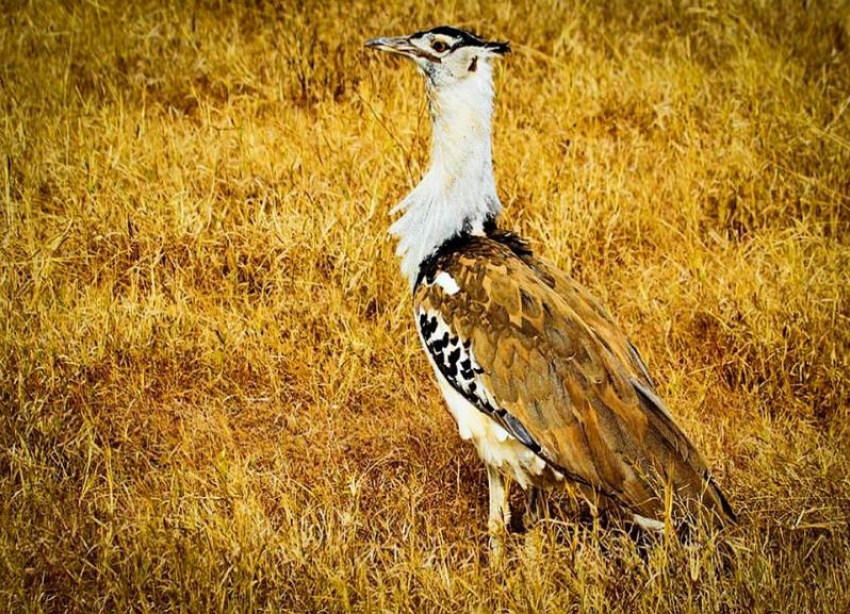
395,44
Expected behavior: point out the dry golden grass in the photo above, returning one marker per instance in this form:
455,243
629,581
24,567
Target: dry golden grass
212,394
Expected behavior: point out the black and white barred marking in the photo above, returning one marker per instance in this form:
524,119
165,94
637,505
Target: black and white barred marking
455,360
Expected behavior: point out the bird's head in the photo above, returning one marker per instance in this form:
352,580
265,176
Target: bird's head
447,56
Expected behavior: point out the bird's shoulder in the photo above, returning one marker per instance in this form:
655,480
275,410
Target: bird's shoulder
500,272
534,331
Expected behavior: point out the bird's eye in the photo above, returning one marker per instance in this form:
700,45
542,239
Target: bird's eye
439,46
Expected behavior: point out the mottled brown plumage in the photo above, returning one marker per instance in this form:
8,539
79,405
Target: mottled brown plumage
560,366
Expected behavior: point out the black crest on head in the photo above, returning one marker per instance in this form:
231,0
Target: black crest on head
466,39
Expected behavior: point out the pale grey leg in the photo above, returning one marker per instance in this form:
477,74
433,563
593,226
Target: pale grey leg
500,512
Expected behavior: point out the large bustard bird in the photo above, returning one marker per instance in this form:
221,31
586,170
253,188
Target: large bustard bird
534,371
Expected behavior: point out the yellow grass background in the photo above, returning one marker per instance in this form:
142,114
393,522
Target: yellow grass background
212,397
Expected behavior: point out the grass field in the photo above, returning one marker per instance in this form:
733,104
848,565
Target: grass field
212,397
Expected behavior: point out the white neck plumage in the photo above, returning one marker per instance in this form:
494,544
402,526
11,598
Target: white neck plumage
458,193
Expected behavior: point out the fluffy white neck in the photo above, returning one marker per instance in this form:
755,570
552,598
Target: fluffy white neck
458,193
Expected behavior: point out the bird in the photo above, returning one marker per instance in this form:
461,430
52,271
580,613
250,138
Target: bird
537,375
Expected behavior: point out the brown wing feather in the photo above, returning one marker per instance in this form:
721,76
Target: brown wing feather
559,365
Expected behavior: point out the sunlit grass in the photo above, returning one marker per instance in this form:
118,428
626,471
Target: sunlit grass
211,393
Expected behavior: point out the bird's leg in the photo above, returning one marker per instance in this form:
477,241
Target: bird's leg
500,511
535,506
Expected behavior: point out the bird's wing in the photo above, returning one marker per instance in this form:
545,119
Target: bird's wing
542,359
587,308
